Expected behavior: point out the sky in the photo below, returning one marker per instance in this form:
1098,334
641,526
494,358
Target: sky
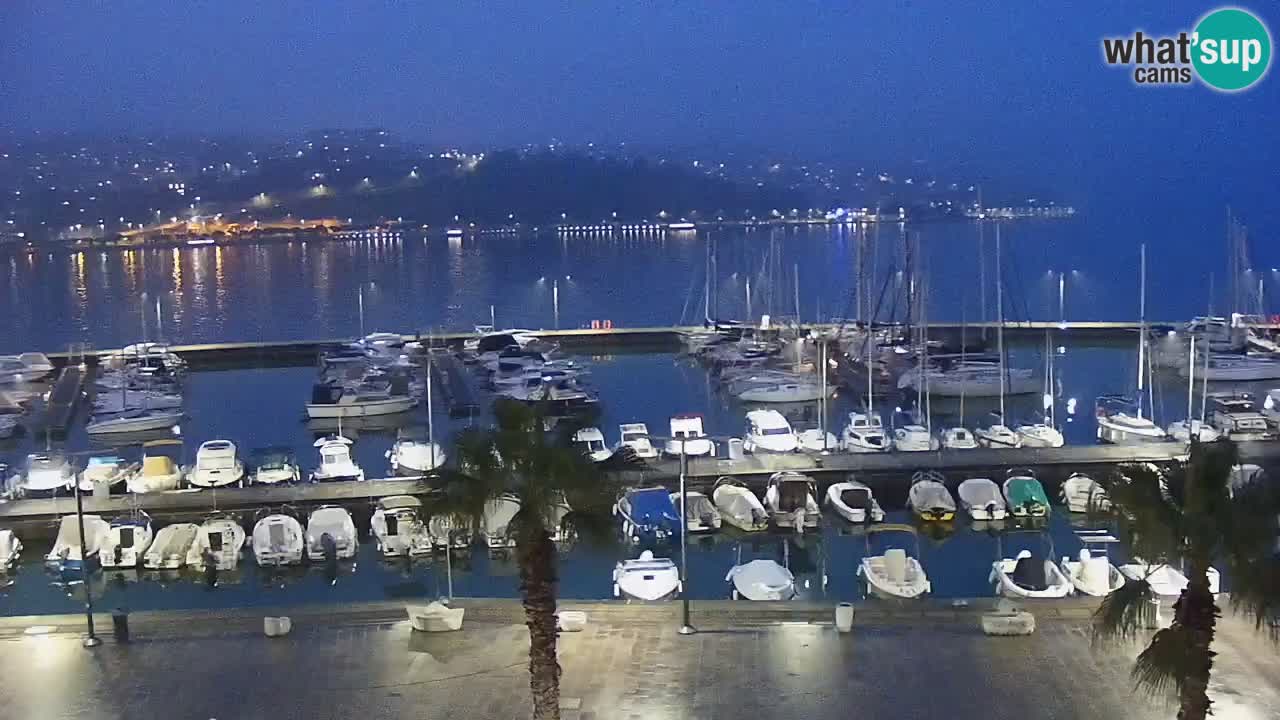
1018,89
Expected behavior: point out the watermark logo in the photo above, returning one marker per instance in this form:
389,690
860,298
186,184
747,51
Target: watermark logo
1229,50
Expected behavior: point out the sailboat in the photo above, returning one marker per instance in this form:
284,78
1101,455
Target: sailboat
1184,431
997,434
1120,419
1044,434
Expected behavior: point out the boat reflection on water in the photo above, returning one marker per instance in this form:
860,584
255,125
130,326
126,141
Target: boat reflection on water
352,427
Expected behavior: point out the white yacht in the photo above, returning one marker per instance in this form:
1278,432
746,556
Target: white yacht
783,392
590,441
335,461
791,499
366,399
768,431
24,368
218,543
914,438
688,438
635,436
970,380
135,420
169,549
958,438
864,432
216,465
274,465
398,529
126,541
413,454
278,540
330,526
647,579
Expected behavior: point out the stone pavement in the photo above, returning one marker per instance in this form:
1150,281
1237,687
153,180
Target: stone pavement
628,664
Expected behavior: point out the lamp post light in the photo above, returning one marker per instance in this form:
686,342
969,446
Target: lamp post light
686,628
91,640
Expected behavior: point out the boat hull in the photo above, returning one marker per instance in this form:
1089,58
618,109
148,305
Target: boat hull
360,409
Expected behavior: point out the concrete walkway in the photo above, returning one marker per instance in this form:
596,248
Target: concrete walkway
364,662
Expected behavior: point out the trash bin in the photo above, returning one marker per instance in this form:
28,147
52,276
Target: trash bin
735,449
120,625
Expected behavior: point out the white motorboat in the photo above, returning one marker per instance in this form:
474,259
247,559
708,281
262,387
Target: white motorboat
590,441
218,543
398,529
791,499
1040,435
783,392
495,522
415,456
46,475
646,578
958,438
108,403
702,516
331,527
449,533
278,540
1028,576
10,550
1082,494
364,400
739,506
635,437
1120,422
929,498
688,438
1237,368
132,421
864,432
67,552
981,499
1165,580
169,549
126,541
761,580
109,470
768,431
895,574
160,470
816,441
335,461
854,502
1271,407
1233,415
216,465
1184,431
914,438
274,465
24,368
1092,574
998,435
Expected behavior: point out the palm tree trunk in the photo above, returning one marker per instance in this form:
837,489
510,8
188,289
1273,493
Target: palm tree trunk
1197,613
538,587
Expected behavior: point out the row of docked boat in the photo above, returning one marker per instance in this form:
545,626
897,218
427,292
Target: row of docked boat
137,389
515,365
373,376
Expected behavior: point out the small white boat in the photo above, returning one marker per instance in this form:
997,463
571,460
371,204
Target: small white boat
1040,435
436,616
768,431
895,574
133,421
1120,422
590,441
646,578
635,437
761,580
929,498
415,456
1027,576
739,506
1092,574
791,499
216,465
1082,494
1271,407
331,527
702,516
998,436
218,542
398,529
1235,368
24,368
169,549
1166,581
109,470
127,540
278,540
816,441
335,461
688,438
496,521
66,553
864,433
958,438
160,470
782,392
365,400
1184,430
914,438
10,550
46,475
981,499
854,502
274,465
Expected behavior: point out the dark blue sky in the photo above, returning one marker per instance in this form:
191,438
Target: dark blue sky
1018,87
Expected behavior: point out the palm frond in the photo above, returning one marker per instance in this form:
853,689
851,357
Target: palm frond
1165,666
1150,523
1124,614
1255,591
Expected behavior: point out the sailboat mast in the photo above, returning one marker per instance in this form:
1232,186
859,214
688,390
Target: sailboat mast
796,282
360,302
1191,377
1142,323
1000,320
706,287
1204,377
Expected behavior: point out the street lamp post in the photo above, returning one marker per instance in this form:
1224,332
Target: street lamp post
685,627
91,640
1062,300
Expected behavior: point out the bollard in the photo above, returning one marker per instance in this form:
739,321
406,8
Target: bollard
120,625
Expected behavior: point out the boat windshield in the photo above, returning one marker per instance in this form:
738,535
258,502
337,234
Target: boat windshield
334,457
775,431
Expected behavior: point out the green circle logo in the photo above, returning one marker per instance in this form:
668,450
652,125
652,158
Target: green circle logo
1232,49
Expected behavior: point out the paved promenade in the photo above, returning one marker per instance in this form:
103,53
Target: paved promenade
628,664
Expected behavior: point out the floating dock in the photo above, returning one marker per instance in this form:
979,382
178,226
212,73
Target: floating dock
64,398
457,387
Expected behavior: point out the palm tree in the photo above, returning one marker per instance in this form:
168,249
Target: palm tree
518,456
1190,514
